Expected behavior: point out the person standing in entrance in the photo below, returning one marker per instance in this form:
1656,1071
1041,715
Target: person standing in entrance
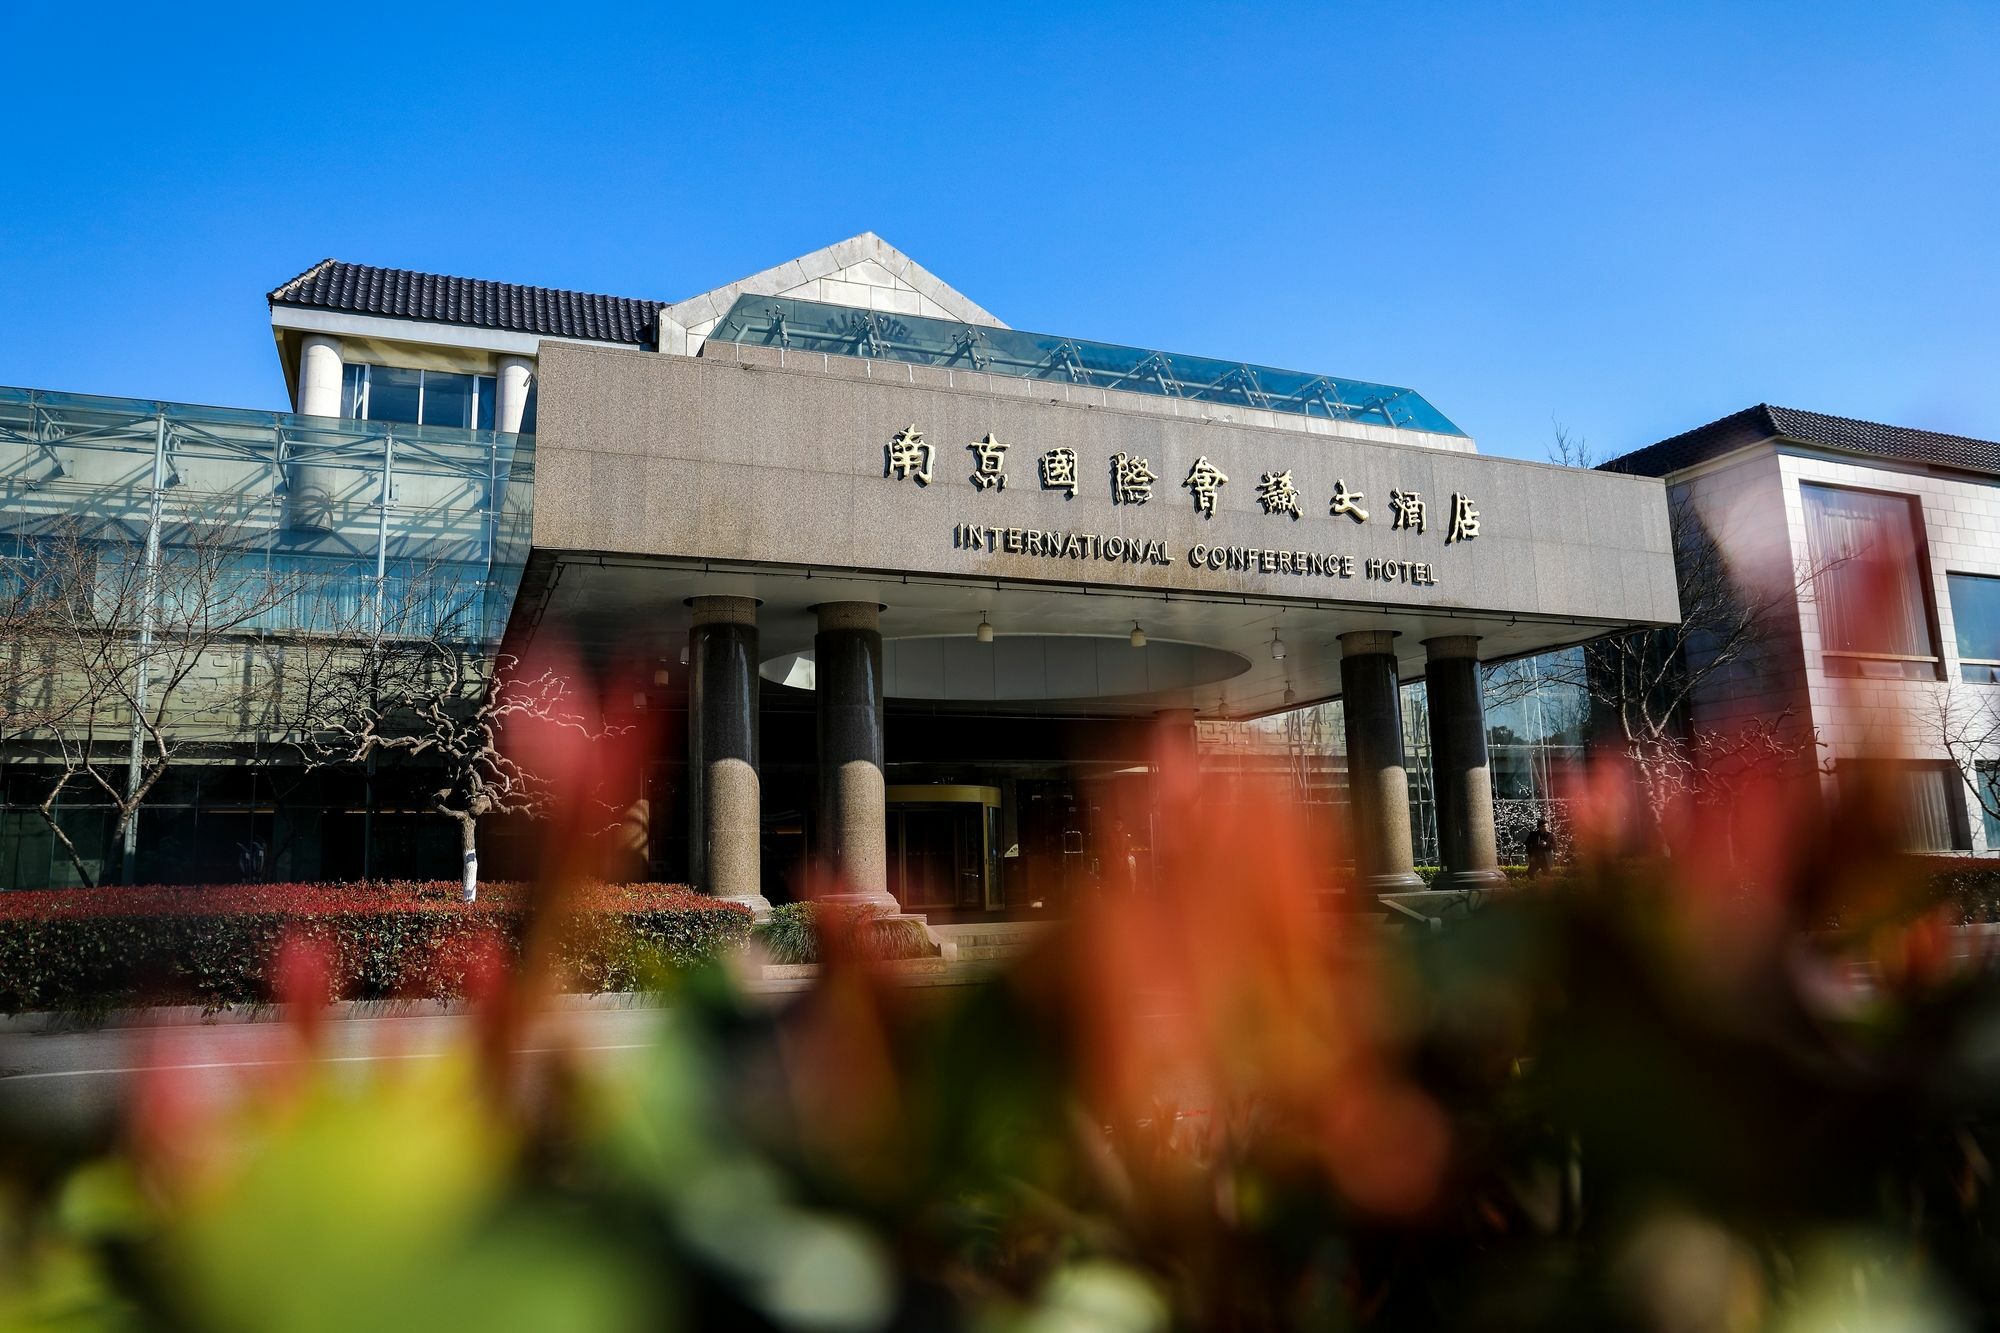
1541,850
1125,854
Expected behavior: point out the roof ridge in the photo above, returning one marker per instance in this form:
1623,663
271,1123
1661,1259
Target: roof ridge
1822,430
402,293
1878,425
418,273
703,308
289,283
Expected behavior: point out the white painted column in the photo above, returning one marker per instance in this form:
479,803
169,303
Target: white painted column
510,398
320,369
309,495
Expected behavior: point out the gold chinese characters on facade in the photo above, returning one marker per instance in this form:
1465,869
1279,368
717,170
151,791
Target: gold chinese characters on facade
909,456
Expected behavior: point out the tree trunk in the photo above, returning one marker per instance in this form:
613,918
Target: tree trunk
1656,794
52,818
468,843
127,866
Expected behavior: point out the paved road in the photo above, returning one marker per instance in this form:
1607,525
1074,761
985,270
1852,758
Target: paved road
77,1079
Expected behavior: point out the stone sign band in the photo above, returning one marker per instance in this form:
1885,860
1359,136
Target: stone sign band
908,456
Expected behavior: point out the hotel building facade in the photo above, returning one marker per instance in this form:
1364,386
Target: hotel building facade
927,600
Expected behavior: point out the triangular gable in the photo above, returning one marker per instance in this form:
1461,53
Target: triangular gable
863,271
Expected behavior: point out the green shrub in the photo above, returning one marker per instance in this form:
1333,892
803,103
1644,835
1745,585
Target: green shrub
90,950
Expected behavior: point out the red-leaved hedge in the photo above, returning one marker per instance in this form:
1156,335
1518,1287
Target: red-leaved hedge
88,950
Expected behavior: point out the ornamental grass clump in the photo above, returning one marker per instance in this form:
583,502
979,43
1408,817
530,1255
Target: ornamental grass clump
796,933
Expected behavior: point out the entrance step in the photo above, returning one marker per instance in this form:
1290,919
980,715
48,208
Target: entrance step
972,952
990,940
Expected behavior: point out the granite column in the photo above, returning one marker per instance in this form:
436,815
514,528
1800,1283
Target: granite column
853,791
725,815
1378,786
1468,851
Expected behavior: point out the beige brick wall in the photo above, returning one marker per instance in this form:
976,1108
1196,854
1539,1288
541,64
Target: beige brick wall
1961,518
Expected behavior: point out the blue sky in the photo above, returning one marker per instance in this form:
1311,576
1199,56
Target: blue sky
1630,217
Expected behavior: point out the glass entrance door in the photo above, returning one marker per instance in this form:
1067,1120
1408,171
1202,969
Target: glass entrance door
943,848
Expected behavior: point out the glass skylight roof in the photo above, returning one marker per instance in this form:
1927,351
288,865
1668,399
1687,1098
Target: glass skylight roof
812,326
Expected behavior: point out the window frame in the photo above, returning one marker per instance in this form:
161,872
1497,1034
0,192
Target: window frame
355,393
1987,772
1926,588
1957,815
1992,663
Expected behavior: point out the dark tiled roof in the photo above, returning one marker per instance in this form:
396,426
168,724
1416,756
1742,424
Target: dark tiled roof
400,293
1764,422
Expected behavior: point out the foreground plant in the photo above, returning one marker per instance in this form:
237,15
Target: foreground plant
1652,1098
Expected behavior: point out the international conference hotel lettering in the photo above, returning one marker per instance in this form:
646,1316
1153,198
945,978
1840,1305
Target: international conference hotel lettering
1240,559
909,456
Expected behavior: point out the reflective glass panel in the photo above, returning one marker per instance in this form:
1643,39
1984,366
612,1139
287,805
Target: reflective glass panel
1513,772
447,399
354,392
393,393
1989,778
1975,613
482,402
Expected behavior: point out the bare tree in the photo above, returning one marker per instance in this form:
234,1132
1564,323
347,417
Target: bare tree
1965,724
443,700
1306,746
1644,682
1503,684
1569,448
351,639
127,656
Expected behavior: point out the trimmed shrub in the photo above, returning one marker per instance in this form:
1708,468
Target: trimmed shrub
89,950
1969,883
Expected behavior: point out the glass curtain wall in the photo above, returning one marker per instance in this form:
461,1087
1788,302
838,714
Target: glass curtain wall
836,330
366,528
1537,719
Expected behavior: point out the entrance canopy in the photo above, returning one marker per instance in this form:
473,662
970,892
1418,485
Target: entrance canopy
1066,649
1241,545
